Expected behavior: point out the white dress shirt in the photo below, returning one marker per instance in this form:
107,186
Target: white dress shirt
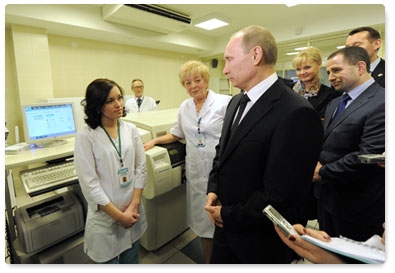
257,91
147,104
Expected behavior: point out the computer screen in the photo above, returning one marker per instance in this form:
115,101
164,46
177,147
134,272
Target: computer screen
78,108
47,124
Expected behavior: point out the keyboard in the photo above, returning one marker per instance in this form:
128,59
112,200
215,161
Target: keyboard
49,177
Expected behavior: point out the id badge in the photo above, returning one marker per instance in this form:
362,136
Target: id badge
200,140
123,177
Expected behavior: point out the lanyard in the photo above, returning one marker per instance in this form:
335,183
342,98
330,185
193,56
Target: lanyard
119,151
198,124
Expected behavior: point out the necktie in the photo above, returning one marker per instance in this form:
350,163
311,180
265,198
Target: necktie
139,102
342,105
242,105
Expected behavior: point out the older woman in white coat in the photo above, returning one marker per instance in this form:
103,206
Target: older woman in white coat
199,122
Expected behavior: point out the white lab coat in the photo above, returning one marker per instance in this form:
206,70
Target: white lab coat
148,104
199,161
97,164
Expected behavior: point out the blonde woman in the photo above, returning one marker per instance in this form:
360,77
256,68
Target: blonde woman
307,65
199,122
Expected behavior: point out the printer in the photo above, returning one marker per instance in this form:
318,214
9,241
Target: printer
164,196
49,221
165,169
165,162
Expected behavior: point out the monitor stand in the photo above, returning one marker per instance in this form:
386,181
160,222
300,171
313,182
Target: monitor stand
50,143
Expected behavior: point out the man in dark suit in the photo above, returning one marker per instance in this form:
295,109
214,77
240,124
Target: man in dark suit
351,195
369,39
269,159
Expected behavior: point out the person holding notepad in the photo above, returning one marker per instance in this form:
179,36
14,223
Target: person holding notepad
316,254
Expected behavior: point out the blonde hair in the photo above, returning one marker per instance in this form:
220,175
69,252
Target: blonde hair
311,53
193,68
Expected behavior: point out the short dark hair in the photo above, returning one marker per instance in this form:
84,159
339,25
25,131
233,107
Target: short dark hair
373,34
353,55
95,97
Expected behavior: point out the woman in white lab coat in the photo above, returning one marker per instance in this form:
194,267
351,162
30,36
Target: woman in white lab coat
199,122
110,163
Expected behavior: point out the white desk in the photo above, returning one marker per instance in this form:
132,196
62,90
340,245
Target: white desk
33,156
37,155
166,213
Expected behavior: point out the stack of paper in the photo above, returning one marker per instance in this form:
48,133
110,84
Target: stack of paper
372,251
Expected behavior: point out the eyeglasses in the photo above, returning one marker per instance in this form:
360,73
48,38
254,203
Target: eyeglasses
138,87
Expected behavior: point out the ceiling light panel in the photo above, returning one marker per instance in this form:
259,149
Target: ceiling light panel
211,21
212,24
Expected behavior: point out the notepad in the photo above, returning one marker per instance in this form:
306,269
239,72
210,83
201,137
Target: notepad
372,251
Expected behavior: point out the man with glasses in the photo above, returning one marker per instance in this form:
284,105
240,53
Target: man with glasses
139,102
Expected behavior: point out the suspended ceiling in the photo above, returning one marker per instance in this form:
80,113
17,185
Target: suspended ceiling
322,25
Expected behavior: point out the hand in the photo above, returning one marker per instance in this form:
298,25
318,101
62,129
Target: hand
307,250
213,207
148,145
125,217
316,176
129,219
318,234
382,164
383,237
130,216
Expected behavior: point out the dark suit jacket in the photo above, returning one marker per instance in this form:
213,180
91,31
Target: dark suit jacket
379,73
324,96
270,159
353,191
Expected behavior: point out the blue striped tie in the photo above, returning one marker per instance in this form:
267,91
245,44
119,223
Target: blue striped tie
342,105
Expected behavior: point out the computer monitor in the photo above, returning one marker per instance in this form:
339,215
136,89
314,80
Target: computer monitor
78,108
48,124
